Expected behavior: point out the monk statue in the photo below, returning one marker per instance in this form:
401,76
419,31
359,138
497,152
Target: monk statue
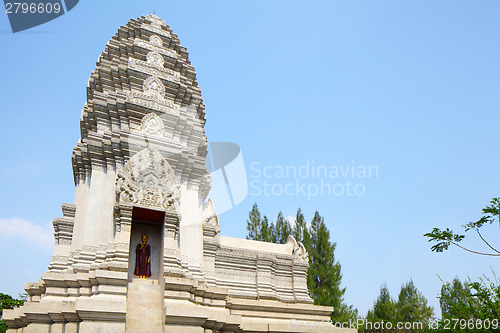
143,259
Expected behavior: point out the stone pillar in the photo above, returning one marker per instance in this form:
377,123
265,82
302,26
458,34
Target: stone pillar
265,275
191,233
211,243
81,201
101,199
63,234
71,327
300,292
171,256
117,256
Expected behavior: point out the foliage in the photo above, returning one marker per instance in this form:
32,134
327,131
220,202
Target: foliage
445,238
455,299
261,229
470,300
254,224
282,229
384,308
7,302
412,305
324,273
470,306
300,227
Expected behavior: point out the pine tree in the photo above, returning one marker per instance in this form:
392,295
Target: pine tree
266,234
282,229
384,308
455,296
412,305
272,233
300,226
324,276
254,224
471,300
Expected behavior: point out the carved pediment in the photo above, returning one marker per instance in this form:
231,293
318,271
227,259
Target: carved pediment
152,124
148,180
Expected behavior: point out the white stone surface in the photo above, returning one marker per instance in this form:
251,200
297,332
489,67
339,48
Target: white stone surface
145,311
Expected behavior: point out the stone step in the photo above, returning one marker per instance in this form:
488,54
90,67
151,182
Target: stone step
145,312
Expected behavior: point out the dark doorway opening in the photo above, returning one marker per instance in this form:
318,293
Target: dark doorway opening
147,222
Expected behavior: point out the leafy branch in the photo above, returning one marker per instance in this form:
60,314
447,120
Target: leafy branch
445,238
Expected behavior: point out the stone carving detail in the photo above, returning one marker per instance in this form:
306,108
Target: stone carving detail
148,180
153,97
155,19
298,248
153,86
154,45
155,40
155,28
156,25
209,215
152,124
153,102
154,67
155,59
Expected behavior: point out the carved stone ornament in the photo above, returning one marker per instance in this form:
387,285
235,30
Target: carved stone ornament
298,248
153,87
155,59
152,124
148,180
154,45
209,215
155,40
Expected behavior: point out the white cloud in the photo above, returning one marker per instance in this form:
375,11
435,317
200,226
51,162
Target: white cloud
29,232
291,220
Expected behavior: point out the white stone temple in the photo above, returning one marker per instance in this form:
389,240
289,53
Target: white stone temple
139,168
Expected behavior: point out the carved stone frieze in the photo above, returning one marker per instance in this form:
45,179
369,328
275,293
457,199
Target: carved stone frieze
148,180
155,47
154,67
153,102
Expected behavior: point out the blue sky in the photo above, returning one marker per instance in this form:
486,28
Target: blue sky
410,87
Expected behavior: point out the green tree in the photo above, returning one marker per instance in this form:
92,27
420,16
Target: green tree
7,302
455,299
445,238
384,308
411,305
324,273
267,230
477,301
282,229
465,303
324,276
254,224
300,227
470,300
